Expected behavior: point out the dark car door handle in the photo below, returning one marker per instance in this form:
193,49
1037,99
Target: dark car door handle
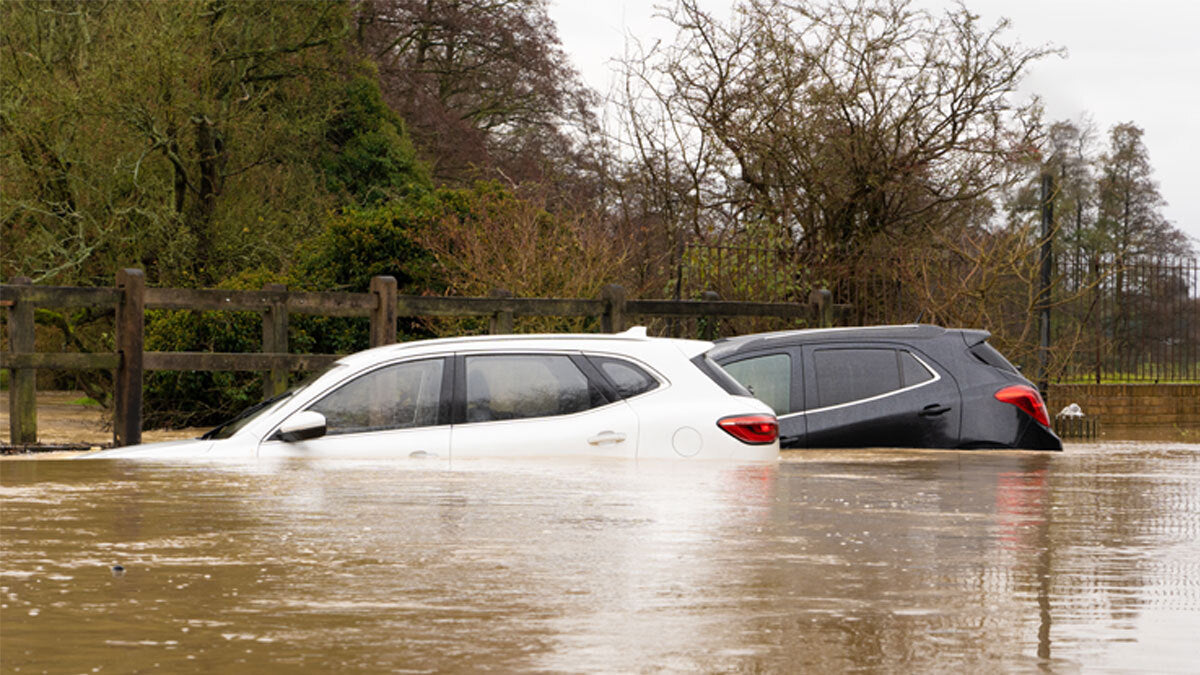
934,409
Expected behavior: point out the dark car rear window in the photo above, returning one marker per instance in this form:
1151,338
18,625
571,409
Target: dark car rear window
988,354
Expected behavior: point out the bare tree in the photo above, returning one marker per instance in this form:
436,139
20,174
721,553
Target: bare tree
837,123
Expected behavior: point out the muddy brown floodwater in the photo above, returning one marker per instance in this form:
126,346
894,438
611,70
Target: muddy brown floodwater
848,560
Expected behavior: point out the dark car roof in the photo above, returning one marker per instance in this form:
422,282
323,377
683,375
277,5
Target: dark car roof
903,333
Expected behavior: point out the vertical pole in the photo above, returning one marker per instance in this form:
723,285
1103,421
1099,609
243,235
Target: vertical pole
127,427
820,303
1097,330
275,339
674,325
383,318
502,321
613,319
710,324
1043,294
22,389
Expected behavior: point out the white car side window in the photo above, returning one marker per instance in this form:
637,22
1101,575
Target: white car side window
519,386
629,379
403,396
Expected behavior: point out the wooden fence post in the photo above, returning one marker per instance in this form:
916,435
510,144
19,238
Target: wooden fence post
383,317
275,340
820,302
709,331
127,426
502,321
613,319
22,386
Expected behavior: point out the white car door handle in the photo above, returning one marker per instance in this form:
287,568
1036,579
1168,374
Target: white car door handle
606,437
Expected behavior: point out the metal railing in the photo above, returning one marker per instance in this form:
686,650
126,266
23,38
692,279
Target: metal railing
1112,319
1129,321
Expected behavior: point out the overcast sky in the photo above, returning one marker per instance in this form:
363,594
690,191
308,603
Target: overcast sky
1127,61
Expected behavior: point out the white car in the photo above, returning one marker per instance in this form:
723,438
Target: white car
625,395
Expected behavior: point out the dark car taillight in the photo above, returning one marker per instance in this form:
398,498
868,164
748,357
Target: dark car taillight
752,429
1026,398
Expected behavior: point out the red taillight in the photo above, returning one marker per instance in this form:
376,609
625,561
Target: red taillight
752,429
1026,398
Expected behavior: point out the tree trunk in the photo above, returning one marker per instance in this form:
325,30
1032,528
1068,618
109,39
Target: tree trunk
209,150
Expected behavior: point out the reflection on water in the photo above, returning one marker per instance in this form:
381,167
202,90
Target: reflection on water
830,560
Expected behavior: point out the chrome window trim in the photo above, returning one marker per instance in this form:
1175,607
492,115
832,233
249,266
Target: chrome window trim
936,378
663,380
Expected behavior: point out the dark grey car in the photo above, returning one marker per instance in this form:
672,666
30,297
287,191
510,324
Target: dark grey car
916,386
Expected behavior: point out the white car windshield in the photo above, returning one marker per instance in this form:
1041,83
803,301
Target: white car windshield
238,422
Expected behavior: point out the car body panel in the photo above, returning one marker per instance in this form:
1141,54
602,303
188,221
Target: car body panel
671,431
923,415
607,431
431,443
192,448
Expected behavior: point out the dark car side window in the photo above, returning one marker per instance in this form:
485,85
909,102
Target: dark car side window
911,370
768,377
628,379
402,396
846,375
719,377
520,386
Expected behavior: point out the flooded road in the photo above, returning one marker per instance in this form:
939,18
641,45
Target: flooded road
831,560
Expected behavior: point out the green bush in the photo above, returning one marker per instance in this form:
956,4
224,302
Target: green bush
369,156
363,242
356,246
195,398
176,399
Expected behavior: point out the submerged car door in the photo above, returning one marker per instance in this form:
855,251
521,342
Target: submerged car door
775,377
397,410
878,395
523,404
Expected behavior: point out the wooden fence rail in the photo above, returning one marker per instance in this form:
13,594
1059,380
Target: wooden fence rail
130,298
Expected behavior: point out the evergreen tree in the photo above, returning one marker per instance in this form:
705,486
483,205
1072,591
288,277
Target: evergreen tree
1130,222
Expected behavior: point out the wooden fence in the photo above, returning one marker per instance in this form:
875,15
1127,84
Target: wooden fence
131,298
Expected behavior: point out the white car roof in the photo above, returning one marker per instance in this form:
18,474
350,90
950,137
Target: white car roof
631,341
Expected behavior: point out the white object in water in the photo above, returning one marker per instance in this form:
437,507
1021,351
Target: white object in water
1072,410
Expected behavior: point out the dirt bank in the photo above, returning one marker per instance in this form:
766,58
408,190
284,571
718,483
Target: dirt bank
64,419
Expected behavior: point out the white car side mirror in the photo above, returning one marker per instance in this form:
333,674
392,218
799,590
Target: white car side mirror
302,426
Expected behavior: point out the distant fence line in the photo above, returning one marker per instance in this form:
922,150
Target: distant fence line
1132,321
382,304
